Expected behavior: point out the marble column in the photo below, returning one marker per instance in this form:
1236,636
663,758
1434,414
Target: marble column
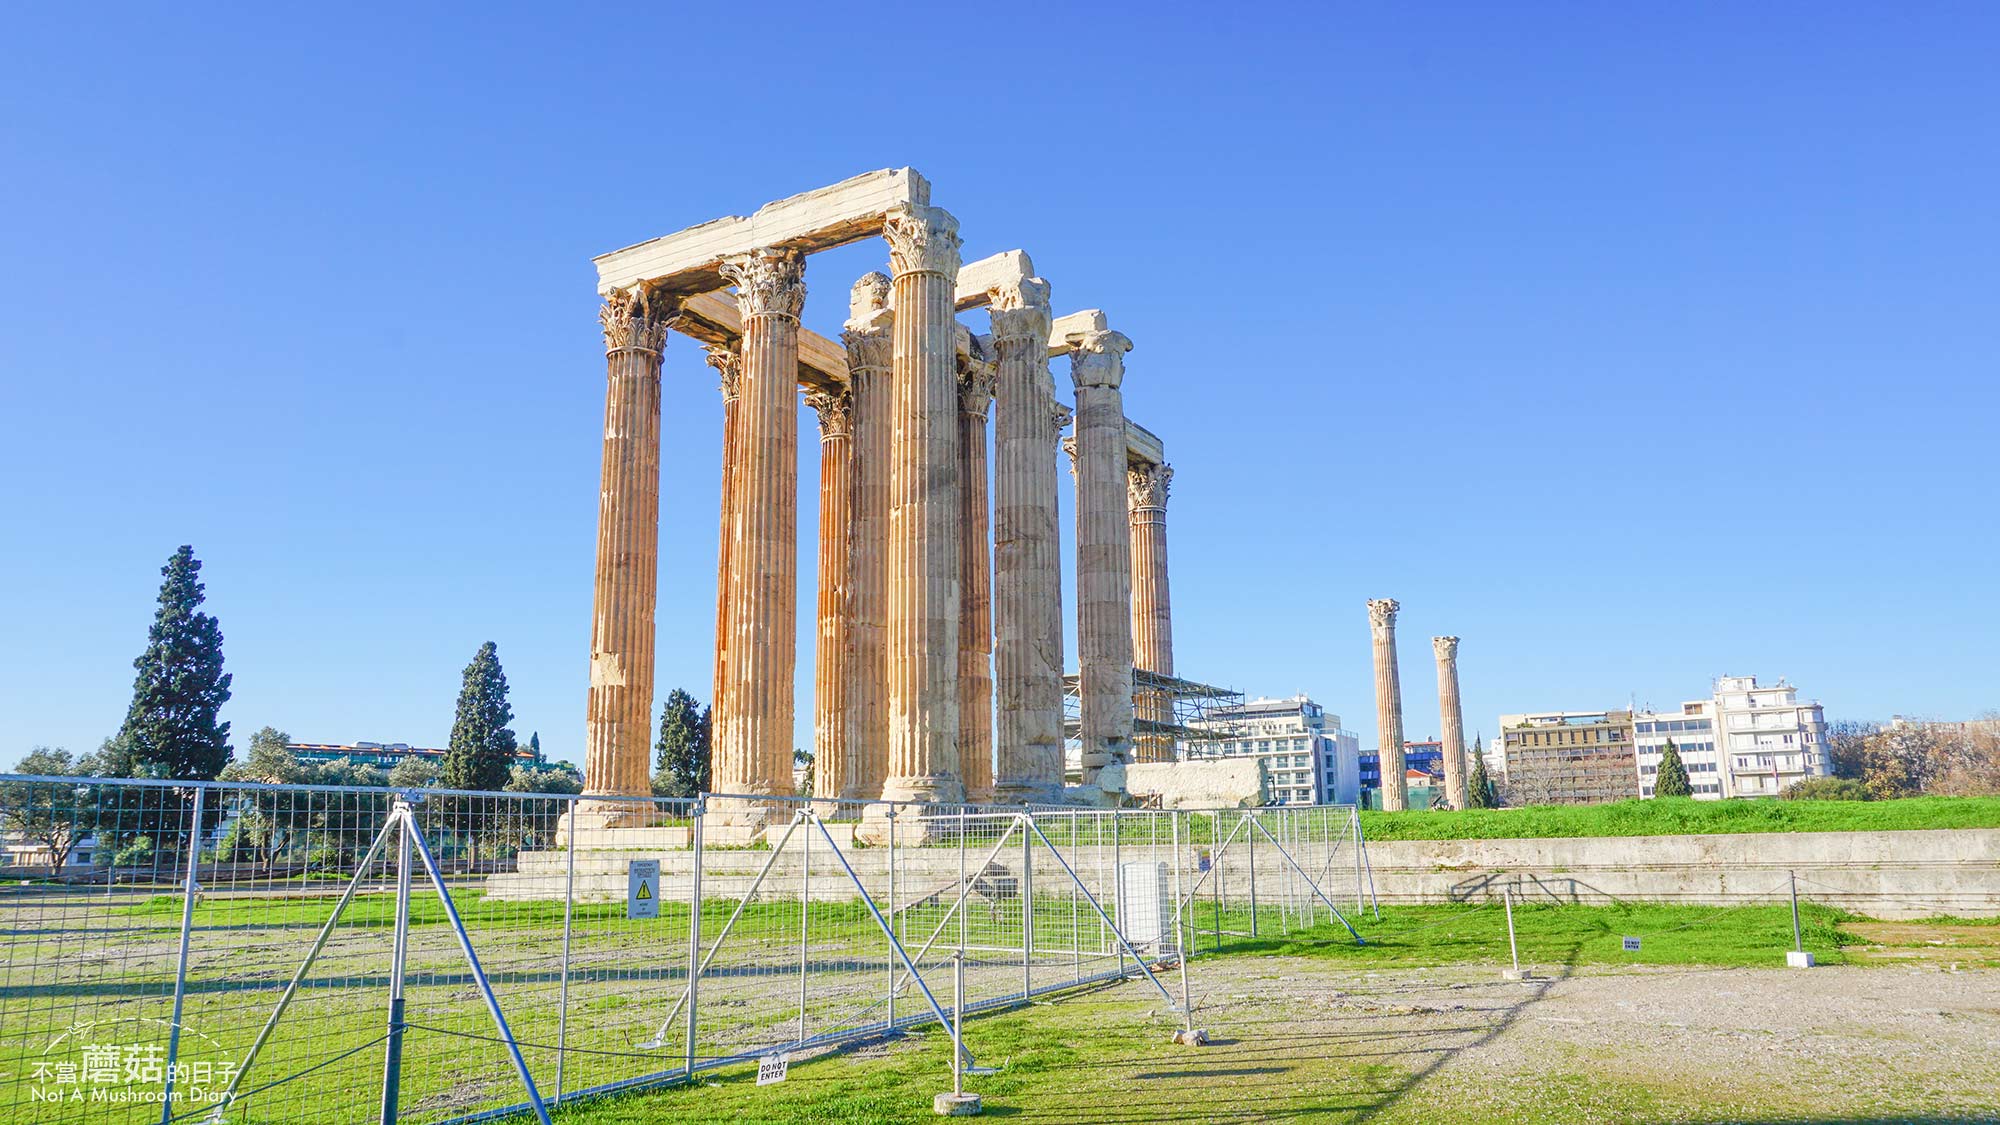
1388,703
1452,716
753,743
923,510
975,564
727,360
1027,551
618,710
1103,559
1152,605
867,336
830,664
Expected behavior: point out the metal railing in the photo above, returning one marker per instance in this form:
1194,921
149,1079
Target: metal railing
262,953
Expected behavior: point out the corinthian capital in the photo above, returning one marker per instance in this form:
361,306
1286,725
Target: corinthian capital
922,240
727,359
1069,447
1098,360
1020,312
1061,416
1147,485
1382,612
768,282
975,386
634,320
1446,649
835,410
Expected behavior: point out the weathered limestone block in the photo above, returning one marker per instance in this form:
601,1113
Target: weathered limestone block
1201,783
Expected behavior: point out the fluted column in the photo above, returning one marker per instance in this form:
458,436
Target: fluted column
1452,716
753,743
923,510
830,665
975,560
868,339
1388,702
1152,605
728,363
618,711
1027,551
1103,558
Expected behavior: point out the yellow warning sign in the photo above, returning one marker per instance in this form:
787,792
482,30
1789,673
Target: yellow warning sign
645,890
642,889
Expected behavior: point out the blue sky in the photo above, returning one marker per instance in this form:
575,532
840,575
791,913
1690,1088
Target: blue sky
1634,347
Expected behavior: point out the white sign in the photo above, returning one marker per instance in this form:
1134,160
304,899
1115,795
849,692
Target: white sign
642,889
1631,945
771,1068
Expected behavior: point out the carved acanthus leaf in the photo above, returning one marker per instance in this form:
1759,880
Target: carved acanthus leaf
634,320
768,282
1382,612
1446,648
1098,359
922,240
835,410
1147,485
1020,312
1061,416
727,359
976,381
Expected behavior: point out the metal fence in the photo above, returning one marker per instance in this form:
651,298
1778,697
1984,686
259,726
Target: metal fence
296,954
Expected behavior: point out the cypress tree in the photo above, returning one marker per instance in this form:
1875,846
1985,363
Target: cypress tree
680,761
1673,778
173,727
481,752
1479,792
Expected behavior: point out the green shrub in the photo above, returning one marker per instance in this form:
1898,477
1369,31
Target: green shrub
1826,789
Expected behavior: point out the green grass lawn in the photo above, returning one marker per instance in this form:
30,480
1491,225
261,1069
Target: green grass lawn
1684,816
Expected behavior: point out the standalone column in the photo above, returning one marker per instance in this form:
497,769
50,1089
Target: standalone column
1388,702
975,555
923,510
753,743
1453,718
830,664
1152,605
1027,551
1103,559
867,338
618,712
728,364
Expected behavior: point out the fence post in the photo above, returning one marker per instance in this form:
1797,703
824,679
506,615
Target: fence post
1118,883
1027,905
1253,888
392,1062
895,920
181,965
700,817
1180,939
569,907
1798,940
805,914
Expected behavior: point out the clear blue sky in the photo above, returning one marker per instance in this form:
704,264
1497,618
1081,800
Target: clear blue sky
1634,348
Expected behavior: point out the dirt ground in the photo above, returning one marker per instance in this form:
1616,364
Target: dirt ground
1298,1040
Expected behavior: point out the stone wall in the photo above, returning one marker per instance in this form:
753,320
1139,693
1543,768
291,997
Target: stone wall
1224,783
1883,874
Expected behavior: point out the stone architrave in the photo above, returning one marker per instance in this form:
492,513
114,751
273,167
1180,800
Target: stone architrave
1147,485
727,359
868,339
1103,558
753,744
1388,703
1452,716
924,510
1027,550
830,656
975,555
618,711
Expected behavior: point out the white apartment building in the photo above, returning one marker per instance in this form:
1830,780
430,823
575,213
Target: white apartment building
1769,739
1692,731
1308,757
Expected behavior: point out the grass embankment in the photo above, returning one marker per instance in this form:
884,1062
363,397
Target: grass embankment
1684,816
